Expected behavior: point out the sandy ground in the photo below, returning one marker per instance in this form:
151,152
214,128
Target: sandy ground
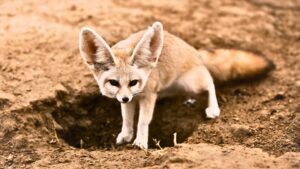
52,115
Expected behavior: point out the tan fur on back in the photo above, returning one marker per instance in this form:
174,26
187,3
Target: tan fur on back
176,59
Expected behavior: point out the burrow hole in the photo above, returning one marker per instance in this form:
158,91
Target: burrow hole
93,121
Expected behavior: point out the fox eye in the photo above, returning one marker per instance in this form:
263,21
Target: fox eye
114,83
133,82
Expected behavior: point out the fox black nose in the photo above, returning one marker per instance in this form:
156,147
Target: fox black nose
125,99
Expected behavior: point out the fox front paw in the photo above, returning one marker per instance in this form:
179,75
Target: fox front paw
124,137
141,143
212,112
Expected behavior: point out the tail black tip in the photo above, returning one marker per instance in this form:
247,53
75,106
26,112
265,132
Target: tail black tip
271,66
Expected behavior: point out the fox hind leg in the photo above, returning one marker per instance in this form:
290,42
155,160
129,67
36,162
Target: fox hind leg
213,110
197,80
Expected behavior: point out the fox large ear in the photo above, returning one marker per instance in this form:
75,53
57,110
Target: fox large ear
148,49
94,50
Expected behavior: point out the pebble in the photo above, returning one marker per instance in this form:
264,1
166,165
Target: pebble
10,157
298,83
264,112
240,130
236,119
190,101
60,88
52,141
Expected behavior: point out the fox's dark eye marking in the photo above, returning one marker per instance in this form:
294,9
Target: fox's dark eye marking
133,82
114,83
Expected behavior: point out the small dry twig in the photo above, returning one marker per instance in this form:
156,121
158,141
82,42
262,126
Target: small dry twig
157,143
81,143
175,139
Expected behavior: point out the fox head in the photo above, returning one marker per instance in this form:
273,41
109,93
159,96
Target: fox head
119,76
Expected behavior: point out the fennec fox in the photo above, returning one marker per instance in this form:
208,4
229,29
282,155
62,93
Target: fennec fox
154,63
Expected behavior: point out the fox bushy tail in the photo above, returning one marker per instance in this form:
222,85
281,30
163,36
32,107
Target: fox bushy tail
229,64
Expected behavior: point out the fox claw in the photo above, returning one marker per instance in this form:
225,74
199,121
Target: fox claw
212,112
140,143
124,138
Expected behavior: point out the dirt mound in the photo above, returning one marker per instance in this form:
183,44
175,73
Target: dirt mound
52,115
211,156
